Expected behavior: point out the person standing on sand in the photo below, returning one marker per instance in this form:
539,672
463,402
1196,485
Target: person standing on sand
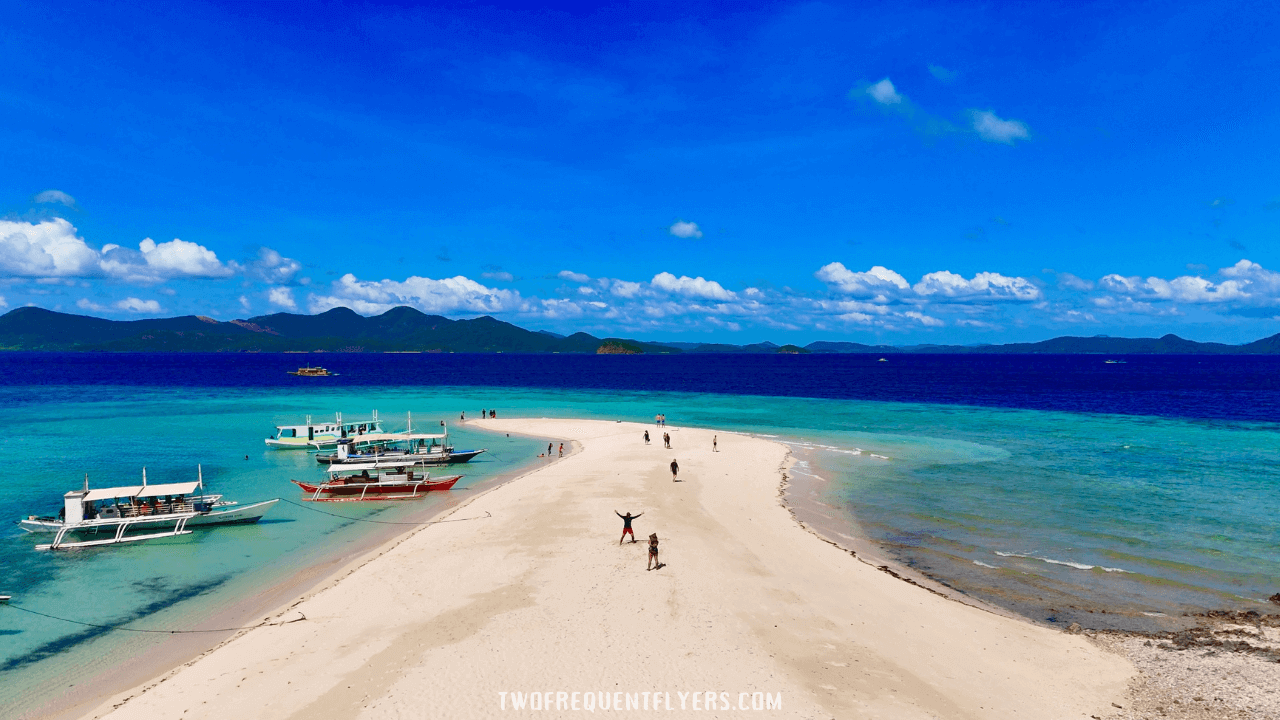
666,440
675,470
713,444
561,449
626,525
646,442
653,552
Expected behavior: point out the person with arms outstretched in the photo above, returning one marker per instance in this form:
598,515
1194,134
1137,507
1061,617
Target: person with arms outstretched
626,525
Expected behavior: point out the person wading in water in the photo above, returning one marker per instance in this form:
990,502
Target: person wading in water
626,526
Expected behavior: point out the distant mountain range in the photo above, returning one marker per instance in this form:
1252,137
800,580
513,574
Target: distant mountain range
404,329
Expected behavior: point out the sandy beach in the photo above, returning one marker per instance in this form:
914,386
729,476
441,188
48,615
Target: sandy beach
535,598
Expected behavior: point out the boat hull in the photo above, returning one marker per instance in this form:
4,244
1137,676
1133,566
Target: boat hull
430,459
220,515
375,490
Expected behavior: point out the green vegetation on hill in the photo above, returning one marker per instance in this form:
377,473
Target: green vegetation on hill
403,328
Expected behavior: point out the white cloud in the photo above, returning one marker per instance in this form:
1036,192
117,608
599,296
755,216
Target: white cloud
685,229
884,93
87,304
986,285
455,294
134,305
625,289
500,275
993,129
572,276
1067,281
924,319
878,281
3,302
1075,316
942,73
274,268
282,297
691,287
1190,288
49,248
56,196
244,303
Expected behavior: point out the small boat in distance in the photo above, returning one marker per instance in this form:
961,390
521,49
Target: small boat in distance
1115,362
391,480
113,513
324,434
309,371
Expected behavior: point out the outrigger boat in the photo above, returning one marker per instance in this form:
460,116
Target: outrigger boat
325,434
418,448
166,510
389,480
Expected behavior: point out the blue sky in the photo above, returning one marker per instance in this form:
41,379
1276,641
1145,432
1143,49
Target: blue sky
790,171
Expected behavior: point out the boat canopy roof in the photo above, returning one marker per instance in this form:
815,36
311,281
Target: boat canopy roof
141,491
390,437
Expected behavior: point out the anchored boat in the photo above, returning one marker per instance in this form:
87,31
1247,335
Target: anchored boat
417,448
324,434
107,516
385,480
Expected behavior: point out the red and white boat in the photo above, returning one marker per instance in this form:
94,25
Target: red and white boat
377,481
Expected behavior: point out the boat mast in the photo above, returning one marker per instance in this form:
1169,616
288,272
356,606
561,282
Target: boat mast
144,476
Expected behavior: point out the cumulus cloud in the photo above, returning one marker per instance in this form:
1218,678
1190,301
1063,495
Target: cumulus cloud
134,305
155,262
1187,288
572,276
684,229
878,281
282,297
690,287
625,288
884,93
55,196
1067,281
992,128
49,248
455,294
87,304
244,303
923,319
984,285
274,268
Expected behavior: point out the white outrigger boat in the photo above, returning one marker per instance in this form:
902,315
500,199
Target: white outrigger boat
325,434
408,446
158,511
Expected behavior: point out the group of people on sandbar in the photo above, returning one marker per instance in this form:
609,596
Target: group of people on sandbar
654,564
491,414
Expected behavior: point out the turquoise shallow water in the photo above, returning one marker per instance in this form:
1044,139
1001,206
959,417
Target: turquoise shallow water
1057,515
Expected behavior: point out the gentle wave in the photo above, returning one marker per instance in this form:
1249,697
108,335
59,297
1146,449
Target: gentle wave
979,562
1068,563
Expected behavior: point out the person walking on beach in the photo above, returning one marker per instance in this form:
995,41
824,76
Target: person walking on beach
482,414
666,440
463,416
561,449
675,470
646,442
653,552
626,525
713,444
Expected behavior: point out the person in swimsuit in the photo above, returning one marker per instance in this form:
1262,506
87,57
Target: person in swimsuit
549,454
675,469
646,442
626,526
713,444
653,552
666,440
561,449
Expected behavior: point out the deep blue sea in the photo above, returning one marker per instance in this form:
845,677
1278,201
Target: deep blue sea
1059,486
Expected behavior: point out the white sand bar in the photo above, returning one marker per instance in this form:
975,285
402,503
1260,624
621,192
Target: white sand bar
540,597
